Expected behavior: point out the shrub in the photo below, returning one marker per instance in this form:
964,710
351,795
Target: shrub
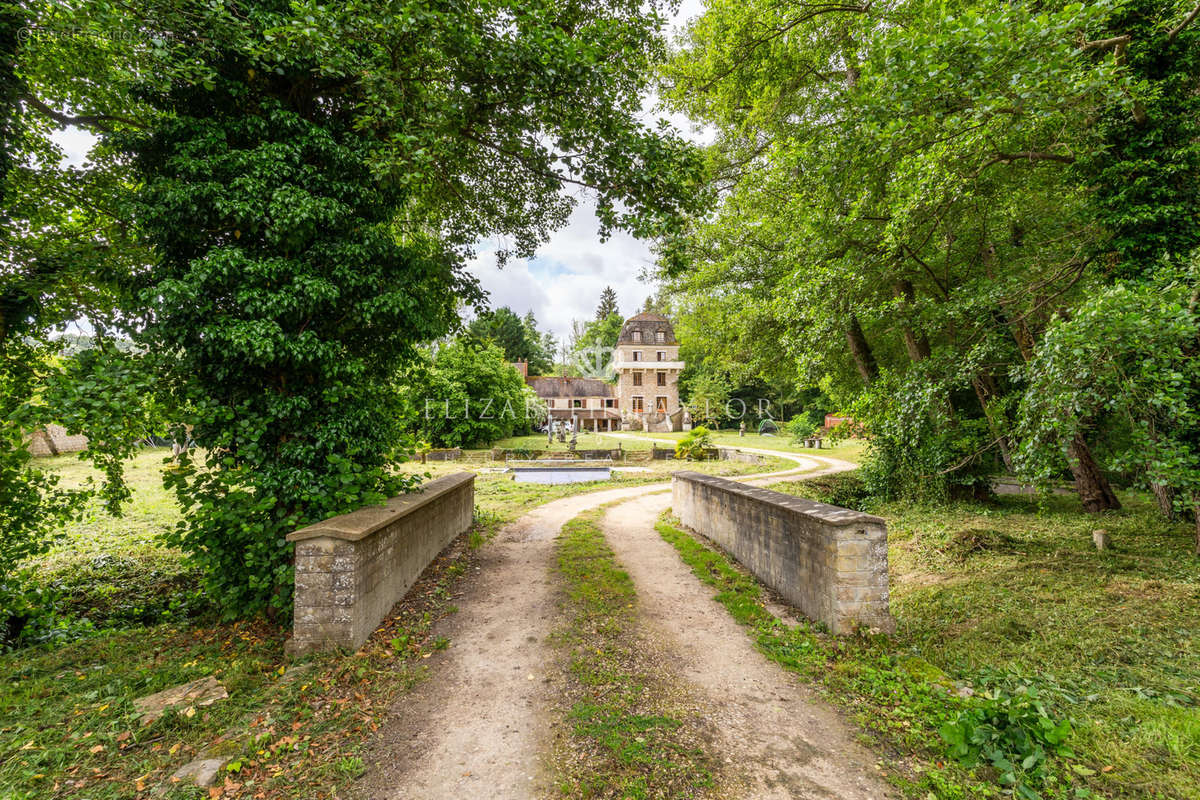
693,447
800,428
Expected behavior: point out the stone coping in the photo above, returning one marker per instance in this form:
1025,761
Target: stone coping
833,515
358,525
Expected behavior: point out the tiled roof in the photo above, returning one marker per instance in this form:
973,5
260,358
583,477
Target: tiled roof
570,387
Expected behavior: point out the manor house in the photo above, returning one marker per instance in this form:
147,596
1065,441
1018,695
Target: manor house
646,395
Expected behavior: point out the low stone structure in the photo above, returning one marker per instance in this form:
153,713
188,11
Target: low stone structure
54,440
447,454
351,569
829,562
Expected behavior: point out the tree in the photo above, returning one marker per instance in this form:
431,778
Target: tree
595,342
517,337
468,396
1125,357
288,166
546,344
897,217
608,304
707,397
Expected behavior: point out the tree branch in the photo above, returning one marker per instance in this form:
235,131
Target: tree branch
87,120
1104,44
1027,155
1186,21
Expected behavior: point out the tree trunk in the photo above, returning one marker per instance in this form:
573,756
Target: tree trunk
1196,514
1094,490
916,345
860,349
986,391
1165,497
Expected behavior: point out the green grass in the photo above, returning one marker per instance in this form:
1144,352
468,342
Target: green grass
1002,594
115,571
847,450
69,728
629,737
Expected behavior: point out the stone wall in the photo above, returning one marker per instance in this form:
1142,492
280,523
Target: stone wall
54,439
351,569
733,454
829,562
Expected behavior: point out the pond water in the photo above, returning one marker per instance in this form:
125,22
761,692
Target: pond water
561,474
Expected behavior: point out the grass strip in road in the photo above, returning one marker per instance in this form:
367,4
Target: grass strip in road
629,734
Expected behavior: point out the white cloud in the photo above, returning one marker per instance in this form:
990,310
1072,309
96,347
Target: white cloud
564,280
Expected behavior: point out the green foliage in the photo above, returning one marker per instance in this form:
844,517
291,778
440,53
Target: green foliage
1010,731
917,448
289,235
912,194
706,393
597,339
800,428
1143,162
108,394
608,304
468,395
518,338
1126,358
695,444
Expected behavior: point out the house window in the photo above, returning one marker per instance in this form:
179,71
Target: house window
637,379
660,336
637,355
661,355
610,402
660,404
636,404
637,336
662,379
576,404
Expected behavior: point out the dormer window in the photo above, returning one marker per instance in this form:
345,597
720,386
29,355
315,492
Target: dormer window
660,336
637,336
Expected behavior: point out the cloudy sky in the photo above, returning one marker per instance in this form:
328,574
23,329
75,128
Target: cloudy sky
564,280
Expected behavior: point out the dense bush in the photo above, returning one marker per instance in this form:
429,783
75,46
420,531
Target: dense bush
800,427
468,395
695,445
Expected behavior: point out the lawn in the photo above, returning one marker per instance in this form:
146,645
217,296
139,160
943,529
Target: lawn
847,449
1004,595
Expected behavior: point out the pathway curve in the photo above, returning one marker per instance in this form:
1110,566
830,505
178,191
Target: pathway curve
480,727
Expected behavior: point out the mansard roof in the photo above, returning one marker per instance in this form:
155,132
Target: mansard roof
649,323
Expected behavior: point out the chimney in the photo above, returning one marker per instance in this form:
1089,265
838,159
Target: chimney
522,367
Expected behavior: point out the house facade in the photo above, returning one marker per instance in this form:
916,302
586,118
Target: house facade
646,393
